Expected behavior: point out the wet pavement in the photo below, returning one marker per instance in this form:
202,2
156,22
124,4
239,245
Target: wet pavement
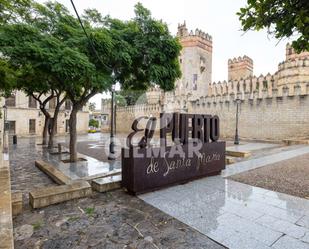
104,220
233,214
237,215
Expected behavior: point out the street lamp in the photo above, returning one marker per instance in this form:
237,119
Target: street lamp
111,155
238,102
5,129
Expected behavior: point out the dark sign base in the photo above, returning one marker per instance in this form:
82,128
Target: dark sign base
149,169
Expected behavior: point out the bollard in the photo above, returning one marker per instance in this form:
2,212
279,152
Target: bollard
59,148
14,139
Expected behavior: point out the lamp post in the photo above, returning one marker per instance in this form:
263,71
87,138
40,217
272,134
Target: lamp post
111,155
238,101
5,129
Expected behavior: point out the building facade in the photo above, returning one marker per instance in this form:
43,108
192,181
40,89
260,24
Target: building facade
24,117
272,106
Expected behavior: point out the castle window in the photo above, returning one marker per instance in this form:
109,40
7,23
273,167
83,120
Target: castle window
265,84
180,60
194,85
202,63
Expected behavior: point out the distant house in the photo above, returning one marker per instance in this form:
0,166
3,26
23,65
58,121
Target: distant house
25,118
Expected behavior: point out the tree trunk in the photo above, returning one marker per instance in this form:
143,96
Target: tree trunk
53,129
45,131
54,123
73,134
46,123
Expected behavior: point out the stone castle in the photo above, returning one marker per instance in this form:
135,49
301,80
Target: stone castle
273,106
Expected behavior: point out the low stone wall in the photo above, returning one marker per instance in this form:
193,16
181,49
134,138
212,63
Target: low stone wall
6,225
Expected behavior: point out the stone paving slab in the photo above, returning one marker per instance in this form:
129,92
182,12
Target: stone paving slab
235,214
51,195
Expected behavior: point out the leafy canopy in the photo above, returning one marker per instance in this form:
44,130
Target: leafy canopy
47,44
7,78
282,18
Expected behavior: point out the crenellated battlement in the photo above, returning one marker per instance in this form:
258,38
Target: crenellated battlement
196,38
245,59
141,108
240,67
258,93
292,63
183,32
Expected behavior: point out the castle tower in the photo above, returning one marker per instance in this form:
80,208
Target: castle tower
291,54
240,68
295,69
195,61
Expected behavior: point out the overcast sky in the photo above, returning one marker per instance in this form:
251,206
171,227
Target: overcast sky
218,18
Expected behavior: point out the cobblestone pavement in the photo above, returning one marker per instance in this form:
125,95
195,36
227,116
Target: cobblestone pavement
288,176
111,220
24,175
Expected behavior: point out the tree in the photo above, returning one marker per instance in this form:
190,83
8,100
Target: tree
284,18
138,53
132,96
7,78
27,55
94,123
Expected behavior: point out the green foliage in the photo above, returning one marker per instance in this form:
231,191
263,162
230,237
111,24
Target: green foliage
132,97
47,45
284,18
73,218
120,100
94,123
14,11
89,211
7,78
37,225
137,53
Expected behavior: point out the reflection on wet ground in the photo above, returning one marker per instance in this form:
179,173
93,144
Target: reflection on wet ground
237,215
234,214
77,170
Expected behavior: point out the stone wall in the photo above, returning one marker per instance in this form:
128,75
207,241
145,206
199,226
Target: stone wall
265,114
6,222
273,106
265,117
126,115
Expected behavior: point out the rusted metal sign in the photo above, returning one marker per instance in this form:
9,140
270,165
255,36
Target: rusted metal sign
196,152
